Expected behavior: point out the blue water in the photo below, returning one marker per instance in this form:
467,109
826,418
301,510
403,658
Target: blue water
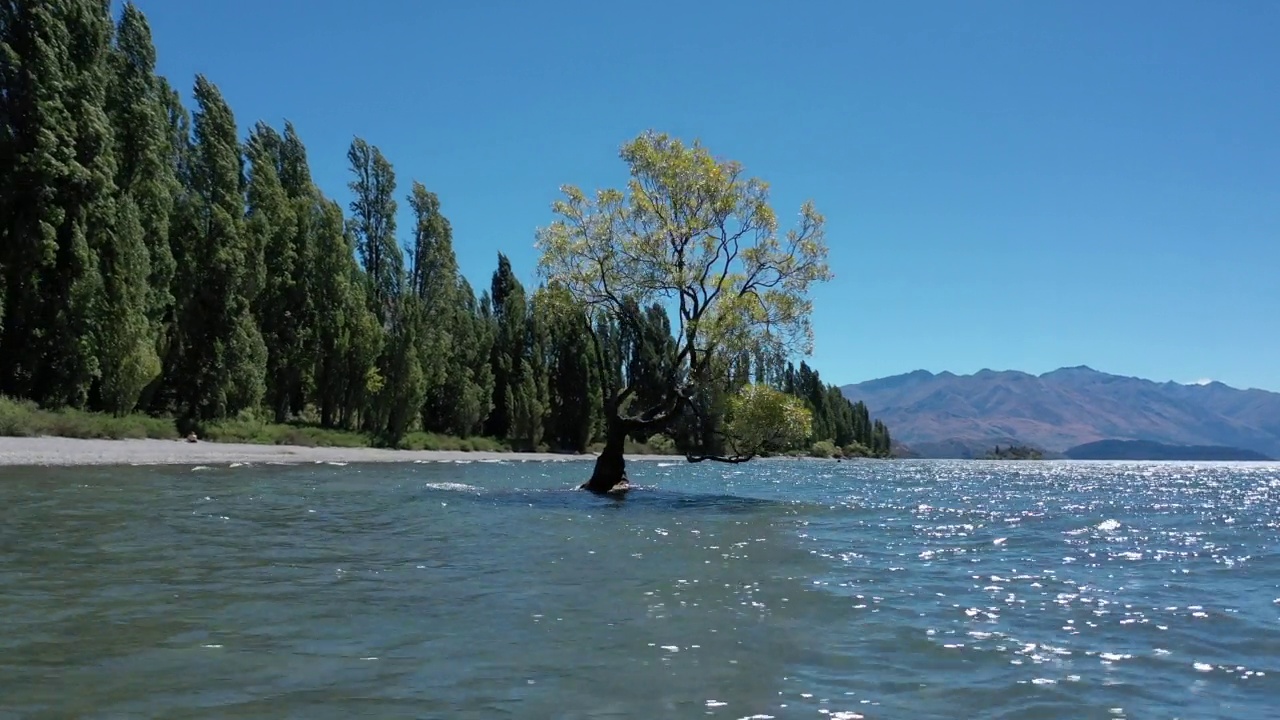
782,589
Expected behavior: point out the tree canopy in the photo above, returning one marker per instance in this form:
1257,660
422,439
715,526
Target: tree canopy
696,235
159,255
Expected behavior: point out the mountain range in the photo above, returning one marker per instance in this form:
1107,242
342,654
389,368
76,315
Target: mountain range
949,415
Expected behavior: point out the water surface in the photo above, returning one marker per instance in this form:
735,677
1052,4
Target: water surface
783,589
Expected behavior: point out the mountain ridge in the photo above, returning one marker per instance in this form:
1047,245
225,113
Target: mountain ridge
1147,450
1066,407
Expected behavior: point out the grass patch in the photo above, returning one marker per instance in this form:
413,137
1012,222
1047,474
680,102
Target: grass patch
19,418
431,441
23,418
257,432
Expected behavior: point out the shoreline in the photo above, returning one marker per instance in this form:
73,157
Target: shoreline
49,451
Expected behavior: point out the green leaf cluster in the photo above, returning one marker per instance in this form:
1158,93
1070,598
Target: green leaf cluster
158,257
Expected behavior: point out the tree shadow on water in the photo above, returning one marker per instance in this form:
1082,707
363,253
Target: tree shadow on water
642,499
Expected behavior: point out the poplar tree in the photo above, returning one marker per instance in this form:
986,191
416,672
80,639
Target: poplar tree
433,280
572,382
149,259
144,169
57,185
456,357
224,357
373,222
507,299
399,401
470,384
348,337
279,227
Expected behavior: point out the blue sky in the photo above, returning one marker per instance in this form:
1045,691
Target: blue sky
1013,185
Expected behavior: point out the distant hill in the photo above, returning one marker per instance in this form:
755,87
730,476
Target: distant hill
949,415
1146,450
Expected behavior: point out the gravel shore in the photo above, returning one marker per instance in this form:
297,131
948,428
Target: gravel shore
15,451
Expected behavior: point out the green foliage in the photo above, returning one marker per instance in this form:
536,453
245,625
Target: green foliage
282,230
834,417
432,441
762,420
456,398
26,419
373,223
249,428
823,449
692,230
222,357
511,401
150,260
573,387
399,400
137,105
57,190
127,344
856,450
347,336
693,234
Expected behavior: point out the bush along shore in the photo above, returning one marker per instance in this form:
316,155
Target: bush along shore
25,419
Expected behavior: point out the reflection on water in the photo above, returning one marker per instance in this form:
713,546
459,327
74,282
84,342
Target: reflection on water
780,588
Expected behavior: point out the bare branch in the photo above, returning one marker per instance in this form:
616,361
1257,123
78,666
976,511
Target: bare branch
731,459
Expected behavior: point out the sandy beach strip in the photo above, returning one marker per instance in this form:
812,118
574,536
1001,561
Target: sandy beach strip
58,451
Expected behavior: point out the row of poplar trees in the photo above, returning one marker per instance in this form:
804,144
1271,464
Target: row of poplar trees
152,260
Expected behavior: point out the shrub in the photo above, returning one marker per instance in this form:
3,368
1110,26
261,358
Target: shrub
823,449
26,419
856,449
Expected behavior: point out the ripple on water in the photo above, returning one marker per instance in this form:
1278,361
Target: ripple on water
778,589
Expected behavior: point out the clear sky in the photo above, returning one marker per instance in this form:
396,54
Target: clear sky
1008,184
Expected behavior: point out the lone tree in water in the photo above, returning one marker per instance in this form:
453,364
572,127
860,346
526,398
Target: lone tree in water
694,235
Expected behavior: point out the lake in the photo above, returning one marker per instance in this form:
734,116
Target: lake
775,589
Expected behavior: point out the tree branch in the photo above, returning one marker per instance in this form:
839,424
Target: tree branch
730,459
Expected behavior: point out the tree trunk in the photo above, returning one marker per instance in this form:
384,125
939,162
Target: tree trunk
610,474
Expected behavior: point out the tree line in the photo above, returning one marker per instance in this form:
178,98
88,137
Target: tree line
152,260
